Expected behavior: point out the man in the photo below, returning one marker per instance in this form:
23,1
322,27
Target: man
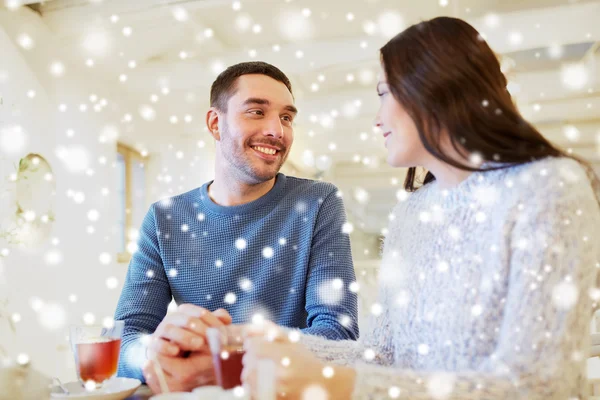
252,243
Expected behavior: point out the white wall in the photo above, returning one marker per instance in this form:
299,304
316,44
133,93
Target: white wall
26,272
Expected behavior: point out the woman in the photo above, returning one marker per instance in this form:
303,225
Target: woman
488,267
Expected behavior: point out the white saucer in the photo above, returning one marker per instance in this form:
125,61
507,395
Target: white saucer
208,392
114,389
177,396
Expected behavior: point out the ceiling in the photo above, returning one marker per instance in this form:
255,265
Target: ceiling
329,50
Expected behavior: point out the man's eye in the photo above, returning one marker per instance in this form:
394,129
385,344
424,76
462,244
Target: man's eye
256,112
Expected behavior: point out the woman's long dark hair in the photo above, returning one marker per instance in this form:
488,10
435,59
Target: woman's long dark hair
446,77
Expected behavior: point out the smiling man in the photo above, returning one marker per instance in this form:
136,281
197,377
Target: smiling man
252,243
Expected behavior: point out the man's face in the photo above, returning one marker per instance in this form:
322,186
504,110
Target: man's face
256,131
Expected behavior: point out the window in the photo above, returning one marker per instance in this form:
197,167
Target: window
131,194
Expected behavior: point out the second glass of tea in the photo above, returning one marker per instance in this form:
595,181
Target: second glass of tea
96,350
227,348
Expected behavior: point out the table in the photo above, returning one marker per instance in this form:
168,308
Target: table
143,393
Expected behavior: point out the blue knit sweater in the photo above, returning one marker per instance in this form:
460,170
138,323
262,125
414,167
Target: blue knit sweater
283,256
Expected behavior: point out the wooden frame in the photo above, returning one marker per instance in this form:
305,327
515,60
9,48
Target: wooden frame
130,156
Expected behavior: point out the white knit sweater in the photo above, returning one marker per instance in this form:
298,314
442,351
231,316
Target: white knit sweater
486,290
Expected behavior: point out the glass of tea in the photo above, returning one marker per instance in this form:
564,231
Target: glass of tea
96,350
227,348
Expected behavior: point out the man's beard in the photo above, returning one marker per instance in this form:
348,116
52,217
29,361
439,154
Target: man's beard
244,164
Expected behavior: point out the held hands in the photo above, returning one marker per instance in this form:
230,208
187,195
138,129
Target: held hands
180,348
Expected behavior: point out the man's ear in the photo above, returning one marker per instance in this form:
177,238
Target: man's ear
212,123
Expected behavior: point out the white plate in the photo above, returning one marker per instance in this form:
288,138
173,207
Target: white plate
114,389
216,393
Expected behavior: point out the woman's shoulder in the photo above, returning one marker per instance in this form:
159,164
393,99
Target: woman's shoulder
555,182
556,174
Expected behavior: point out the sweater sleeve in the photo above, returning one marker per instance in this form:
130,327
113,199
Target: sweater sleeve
144,300
330,261
375,346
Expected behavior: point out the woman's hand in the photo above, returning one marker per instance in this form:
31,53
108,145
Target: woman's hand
297,373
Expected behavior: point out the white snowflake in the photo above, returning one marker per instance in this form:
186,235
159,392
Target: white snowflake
394,392
230,298
294,336
376,309
301,207
402,195
267,252
361,195
108,322
13,139
594,293
480,217
53,257
487,195
315,392
78,197
476,159
294,26
571,133
241,244
112,282
52,316
441,385
423,349
390,23
403,298
347,228
565,295
443,266
239,392
22,359
574,76
328,372
132,247
425,216
345,321
89,318
105,258
330,292
369,354
246,284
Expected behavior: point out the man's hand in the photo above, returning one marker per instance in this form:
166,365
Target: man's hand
184,330
181,374
179,348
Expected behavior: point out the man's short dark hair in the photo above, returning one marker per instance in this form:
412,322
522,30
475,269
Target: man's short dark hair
225,85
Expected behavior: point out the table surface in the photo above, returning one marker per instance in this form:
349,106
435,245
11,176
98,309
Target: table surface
143,393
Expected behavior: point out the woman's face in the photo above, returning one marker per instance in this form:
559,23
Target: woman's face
401,136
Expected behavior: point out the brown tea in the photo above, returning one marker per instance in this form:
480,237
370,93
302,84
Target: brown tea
99,360
228,366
